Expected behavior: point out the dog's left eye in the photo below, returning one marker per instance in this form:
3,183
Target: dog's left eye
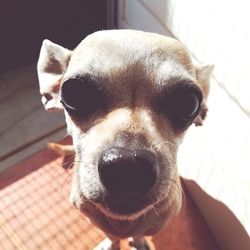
181,105
185,105
82,97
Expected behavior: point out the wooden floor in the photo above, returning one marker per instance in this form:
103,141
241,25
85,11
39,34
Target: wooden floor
25,127
35,212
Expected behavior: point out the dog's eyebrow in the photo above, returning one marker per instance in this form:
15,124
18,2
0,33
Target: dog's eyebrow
174,83
83,78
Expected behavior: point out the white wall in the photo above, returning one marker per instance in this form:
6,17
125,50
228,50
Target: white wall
216,31
215,157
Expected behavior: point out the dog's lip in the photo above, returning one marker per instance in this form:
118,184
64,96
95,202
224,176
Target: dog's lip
123,211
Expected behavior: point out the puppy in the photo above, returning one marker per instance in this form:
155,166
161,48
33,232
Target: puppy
128,99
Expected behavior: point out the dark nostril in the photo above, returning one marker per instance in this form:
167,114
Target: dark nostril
127,172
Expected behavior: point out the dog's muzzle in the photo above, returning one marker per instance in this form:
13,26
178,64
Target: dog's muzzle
127,175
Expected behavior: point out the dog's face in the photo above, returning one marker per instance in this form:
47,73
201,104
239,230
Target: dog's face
128,99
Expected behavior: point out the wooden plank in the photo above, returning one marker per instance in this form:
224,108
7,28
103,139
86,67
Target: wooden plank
23,119
12,81
28,129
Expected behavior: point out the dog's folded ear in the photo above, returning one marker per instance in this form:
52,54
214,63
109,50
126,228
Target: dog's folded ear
203,75
52,64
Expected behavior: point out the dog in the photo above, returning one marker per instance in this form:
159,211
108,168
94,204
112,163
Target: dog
128,98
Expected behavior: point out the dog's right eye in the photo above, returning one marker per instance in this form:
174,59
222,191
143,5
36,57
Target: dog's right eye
82,97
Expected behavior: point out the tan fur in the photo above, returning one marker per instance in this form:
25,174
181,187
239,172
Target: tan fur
132,68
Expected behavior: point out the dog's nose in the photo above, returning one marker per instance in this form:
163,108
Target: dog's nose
128,172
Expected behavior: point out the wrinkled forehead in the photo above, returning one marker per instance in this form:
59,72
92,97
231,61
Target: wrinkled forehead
127,54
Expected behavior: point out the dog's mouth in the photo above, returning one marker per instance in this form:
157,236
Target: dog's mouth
130,209
125,207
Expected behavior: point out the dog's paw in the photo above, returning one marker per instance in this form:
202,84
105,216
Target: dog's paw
140,244
107,244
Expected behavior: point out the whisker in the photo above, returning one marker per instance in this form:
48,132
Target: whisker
157,144
66,165
69,162
154,209
184,200
80,197
110,223
67,178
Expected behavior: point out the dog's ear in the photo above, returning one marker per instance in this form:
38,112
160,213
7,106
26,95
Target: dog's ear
203,75
52,64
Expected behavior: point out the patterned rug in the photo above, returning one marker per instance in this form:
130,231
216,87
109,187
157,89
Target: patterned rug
35,212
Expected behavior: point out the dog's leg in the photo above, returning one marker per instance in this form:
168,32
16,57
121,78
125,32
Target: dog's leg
108,244
61,149
139,244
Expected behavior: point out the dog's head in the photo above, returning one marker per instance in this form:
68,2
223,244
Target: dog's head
128,98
